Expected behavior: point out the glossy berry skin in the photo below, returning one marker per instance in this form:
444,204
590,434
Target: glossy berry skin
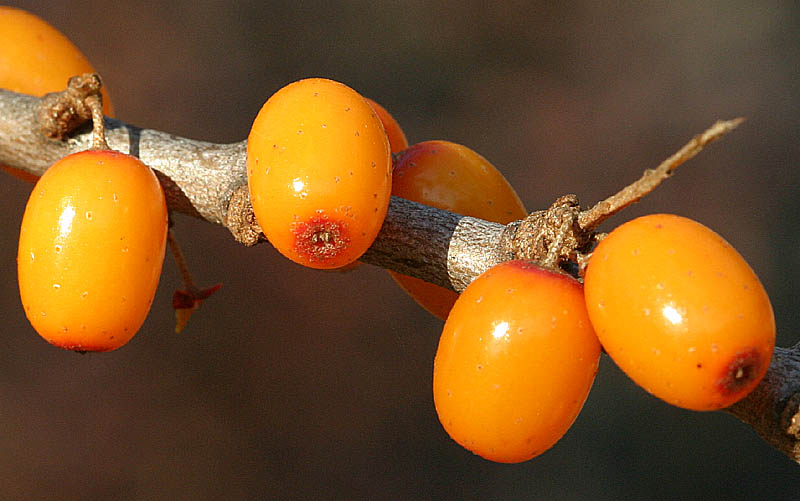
515,362
91,248
397,138
680,311
36,58
319,173
452,177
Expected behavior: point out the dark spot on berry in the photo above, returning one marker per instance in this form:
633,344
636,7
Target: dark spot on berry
740,372
699,366
320,238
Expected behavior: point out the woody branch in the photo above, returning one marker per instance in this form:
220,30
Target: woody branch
209,181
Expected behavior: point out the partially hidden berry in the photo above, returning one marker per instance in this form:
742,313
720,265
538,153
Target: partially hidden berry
35,59
452,177
397,138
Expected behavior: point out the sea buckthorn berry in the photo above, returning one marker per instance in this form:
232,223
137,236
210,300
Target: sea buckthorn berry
36,58
91,248
515,362
452,177
319,172
397,138
680,311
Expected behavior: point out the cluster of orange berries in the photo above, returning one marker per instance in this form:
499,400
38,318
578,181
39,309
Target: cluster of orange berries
672,303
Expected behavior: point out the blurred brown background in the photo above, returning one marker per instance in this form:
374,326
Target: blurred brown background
292,383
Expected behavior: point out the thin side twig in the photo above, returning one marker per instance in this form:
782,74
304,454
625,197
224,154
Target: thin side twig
590,219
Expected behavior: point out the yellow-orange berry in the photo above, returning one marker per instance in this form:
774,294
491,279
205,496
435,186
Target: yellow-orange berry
36,58
515,362
397,138
91,248
680,311
452,177
319,172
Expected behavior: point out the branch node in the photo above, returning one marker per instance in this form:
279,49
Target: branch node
240,219
551,236
60,113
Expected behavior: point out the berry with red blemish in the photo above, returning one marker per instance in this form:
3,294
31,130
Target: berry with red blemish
320,239
319,172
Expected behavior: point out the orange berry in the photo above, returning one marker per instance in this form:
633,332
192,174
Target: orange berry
91,248
452,177
680,311
20,174
35,58
515,362
319,172
397,138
